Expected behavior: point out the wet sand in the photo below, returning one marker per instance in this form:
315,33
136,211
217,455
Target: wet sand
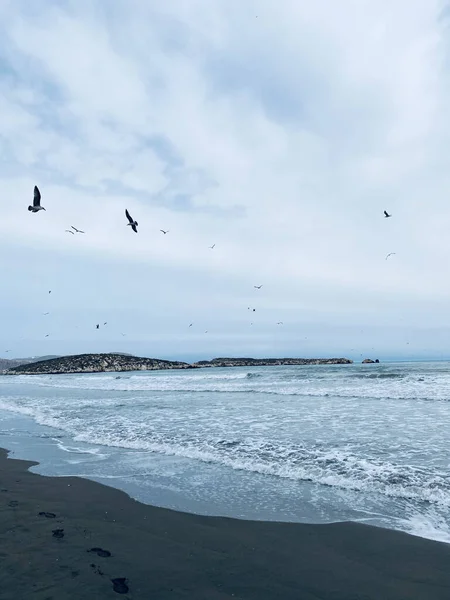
67,538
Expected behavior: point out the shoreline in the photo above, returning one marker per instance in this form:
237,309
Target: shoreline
160,553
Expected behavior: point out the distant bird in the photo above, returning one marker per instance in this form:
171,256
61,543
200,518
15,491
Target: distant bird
124,334
191,324
77,230
68,231
164,232
36,201
6,350
47,335
254,310
390,254
49,291
206,331
212,247
132,222
47,313
105,323
386,214
280,323
97,326
257,287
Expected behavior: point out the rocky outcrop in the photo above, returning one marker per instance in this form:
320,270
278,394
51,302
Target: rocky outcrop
97,363
369,361
270,362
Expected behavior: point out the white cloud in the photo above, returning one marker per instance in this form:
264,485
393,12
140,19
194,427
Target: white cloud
278,132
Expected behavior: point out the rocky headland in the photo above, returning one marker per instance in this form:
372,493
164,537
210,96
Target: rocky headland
98,363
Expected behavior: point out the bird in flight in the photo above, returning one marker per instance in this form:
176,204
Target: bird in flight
68,231
77,230
386,214
47,335
105,323
49,291
390,254
47,313
191,324
258,287
36,201
212,247
131,222
97,326
164,232
280,323
124,334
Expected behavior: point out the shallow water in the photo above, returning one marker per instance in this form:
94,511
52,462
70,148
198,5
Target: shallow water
311,444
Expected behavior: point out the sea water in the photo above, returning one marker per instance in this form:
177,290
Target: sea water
315,444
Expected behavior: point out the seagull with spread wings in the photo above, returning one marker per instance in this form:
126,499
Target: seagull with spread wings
133,224
36,201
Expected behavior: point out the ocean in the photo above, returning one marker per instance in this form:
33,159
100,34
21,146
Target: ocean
314,444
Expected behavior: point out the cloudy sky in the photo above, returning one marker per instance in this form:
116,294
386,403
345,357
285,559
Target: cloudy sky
278,131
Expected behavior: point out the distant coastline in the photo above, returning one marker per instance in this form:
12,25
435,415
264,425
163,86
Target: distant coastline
100,363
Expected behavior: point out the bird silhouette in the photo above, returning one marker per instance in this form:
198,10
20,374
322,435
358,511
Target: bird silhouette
258,287
390,254
97,326
164,232
212,247
131,222
36,201
77,230
68,231
386,214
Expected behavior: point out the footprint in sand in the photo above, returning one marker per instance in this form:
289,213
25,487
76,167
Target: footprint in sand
120,585
58,533
13,503
100,552
48,515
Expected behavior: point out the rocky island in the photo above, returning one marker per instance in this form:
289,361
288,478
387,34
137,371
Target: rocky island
98,363
270,362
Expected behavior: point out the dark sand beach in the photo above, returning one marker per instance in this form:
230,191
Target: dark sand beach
69,538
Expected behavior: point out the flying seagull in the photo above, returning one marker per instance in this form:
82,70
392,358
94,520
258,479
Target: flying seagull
47,335
390,254
132,222
212,247
77,230
97,326
49,291
280,323
258,287
386,214
164,232
36,201
191,324
47,313
105,323
68,231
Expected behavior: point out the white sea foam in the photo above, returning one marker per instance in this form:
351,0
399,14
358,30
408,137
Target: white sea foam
342,430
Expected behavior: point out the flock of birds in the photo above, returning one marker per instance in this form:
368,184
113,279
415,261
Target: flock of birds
36,207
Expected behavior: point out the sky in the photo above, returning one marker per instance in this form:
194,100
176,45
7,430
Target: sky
278,131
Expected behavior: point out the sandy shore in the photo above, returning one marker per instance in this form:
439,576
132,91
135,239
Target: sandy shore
69,538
